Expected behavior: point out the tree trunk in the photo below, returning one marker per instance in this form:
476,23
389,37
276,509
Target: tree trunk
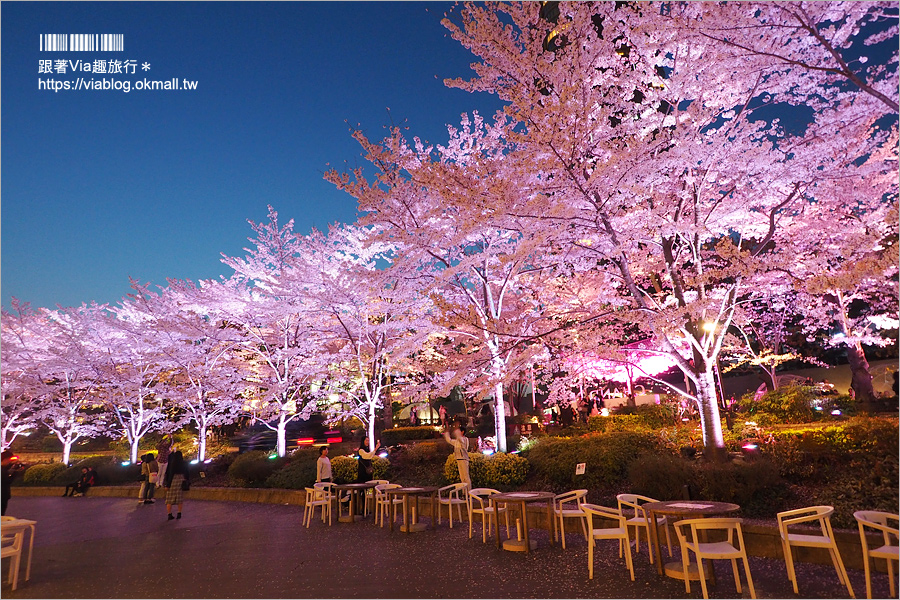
500,417
861,380
710,422
282,435
370,429
67,450
201,442
134,450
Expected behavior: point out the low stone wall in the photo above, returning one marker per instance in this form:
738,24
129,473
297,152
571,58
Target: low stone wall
761,540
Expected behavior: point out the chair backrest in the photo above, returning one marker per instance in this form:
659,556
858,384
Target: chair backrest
381,488
576,496
630,504
604,512
325,486
8,518
380,481
880,521
316,495
481,495
452,491
809,514
730,525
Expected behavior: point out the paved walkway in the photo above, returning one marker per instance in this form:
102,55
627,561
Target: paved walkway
114,548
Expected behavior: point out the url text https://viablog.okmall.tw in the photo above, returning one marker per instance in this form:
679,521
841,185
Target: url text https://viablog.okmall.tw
119,85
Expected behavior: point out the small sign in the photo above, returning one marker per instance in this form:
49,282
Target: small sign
579,469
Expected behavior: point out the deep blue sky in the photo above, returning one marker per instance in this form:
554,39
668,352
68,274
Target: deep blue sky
98,185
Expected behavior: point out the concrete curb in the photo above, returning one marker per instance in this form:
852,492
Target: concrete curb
762,540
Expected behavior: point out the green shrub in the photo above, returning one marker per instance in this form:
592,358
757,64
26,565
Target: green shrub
789,404
345,469
498,470
606,457
660,476
103,465
252,469
42,474
390,437
297,474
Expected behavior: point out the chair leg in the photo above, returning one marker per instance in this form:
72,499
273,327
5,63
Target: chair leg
789,561
591,543
628,560
685,562
507,526
749,577
702,577
484,527
839,567
584,527
737,576
890,566
668,539
562,529
470,525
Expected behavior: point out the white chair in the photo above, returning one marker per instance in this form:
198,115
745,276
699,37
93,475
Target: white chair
725,550
316,497
620,532
568,506
383,506
480,503
889,550
370,495
328,488
630,506
12,548
449,496
811,514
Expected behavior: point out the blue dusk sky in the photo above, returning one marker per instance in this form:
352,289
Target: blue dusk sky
102,185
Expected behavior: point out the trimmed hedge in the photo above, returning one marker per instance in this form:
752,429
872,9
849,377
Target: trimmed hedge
499,470
252,469
297,474
606,457
397,435
43,474
345,469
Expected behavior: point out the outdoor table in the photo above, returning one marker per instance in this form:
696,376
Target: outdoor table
15,526
520,498
354,489
412,524
689,509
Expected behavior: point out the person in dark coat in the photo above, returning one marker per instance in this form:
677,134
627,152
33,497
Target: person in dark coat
176,475
10,467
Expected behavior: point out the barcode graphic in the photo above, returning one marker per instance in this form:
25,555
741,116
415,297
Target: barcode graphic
82,42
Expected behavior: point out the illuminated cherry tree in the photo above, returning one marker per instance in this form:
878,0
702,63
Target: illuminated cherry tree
23,391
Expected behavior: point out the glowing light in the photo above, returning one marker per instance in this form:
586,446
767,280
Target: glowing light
604,412
207,461
836,412
749,446
273,456
305,441
126,463
334,440
709,326
488,452
818,408
383,454
195,461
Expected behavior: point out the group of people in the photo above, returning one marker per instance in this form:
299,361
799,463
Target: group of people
80,487
172,474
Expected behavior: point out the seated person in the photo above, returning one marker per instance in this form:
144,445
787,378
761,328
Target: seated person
81,486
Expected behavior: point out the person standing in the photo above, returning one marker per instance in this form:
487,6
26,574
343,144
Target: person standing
177,480
10,468
323,466
365,469
150,472
163,449
460,445
443,414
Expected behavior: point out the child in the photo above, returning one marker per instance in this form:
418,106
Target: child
323,465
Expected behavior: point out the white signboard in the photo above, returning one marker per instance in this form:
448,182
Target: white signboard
579,469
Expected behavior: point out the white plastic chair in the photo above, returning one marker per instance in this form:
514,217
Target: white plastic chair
889,550
810,514
316,497
610,533
486,508
12,548
382,504
630,506
449,496
370,495
568,506
725,550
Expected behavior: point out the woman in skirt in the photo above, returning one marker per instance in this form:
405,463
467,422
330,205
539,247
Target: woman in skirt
176,475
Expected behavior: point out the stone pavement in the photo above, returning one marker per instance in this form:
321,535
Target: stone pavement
115,548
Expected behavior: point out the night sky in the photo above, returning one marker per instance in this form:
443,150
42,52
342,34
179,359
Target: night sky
102,185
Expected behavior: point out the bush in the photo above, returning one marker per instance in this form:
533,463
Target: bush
43,474
297,474
252,469
788,404
345,469
391,437
660,476
499,470
606,457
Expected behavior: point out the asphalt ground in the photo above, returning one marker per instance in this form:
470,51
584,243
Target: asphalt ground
115,548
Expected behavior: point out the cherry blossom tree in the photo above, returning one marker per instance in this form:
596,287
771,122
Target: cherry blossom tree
662,167
276,341
22,389
73,410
